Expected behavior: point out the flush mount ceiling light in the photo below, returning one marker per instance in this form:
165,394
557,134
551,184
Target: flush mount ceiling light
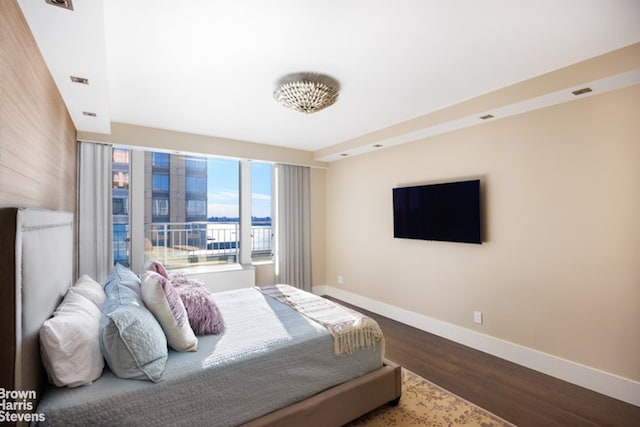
307,92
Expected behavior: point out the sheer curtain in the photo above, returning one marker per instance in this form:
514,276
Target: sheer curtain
293,233
95,252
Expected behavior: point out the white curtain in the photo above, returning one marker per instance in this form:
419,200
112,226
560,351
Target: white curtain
95,236
293,233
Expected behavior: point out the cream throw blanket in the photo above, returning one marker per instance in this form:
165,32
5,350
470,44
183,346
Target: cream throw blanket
350,330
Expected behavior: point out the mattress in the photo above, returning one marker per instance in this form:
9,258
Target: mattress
270,356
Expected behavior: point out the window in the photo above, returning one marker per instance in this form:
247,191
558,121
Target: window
190,206
196,184
194,209
120,155
196,164
160,160
121,244
120,205
160,183
261,228
160,209
120,179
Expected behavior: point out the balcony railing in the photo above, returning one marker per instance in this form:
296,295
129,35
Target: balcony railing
202,243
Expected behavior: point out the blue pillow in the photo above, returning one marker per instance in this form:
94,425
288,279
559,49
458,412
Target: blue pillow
131,339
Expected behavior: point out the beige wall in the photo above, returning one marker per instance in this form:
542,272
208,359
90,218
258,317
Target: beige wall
146,137
37,137
559,269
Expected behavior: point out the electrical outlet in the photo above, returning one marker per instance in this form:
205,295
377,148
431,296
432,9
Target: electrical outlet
340,280
477,317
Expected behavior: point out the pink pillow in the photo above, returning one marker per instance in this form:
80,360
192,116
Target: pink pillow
204,315
158,268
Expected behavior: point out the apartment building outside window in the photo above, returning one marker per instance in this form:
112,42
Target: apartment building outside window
120,205
192,209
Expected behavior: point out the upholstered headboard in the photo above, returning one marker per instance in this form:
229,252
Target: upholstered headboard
36,267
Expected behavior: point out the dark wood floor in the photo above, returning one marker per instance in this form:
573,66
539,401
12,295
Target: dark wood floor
517,394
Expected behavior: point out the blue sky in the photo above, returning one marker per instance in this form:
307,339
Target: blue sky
223,188
261,189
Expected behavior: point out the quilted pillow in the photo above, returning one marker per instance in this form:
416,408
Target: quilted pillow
163,301
69,343
204,315
131,340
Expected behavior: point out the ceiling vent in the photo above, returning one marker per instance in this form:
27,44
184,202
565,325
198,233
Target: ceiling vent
65,4
81,80
581,91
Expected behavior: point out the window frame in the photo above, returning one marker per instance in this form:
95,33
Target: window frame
137,215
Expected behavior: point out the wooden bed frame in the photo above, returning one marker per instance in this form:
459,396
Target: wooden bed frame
37,269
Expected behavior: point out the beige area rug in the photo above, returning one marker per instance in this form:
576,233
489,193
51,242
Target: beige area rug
426,404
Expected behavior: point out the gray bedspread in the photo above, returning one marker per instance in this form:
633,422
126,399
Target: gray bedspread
269,357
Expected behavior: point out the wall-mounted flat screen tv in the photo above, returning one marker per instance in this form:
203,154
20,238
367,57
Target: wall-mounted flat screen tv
445,212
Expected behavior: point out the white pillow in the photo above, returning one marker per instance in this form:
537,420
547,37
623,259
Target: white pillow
90,289
164,302
69,343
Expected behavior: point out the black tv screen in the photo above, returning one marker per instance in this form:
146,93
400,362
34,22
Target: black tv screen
445,212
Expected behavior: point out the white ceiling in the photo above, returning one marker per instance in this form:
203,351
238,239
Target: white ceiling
209,67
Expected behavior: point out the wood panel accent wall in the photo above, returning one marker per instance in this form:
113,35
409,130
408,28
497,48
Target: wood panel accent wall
38,145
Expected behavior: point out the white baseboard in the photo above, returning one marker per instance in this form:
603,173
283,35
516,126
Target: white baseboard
602,382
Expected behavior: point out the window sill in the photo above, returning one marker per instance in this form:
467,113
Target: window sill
204,269
257,263
222,277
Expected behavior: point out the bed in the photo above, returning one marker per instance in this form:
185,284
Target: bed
228,381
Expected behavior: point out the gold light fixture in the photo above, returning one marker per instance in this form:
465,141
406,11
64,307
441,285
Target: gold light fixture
307,92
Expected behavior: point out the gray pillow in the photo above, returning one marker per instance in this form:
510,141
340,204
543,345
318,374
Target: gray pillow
131,339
